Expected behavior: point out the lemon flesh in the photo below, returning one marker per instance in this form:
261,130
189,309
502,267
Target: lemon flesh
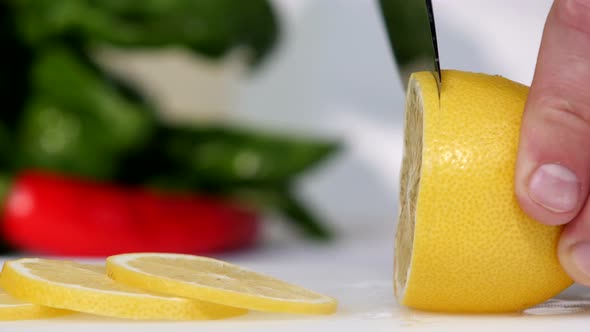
86,288
462,243
215,281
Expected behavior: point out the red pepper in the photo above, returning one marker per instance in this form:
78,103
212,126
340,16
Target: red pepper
58,215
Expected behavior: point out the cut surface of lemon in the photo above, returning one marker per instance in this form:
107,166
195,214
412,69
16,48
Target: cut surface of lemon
215,281
13,309
86,288
463,244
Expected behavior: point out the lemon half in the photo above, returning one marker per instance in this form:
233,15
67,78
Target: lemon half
462,243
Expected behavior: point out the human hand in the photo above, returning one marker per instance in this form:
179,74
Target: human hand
553,167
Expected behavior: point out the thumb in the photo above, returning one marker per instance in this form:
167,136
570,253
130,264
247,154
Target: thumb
553,165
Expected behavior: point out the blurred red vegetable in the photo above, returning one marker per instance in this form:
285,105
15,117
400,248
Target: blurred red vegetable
58,215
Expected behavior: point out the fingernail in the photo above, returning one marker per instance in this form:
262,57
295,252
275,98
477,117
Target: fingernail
555,187
581,257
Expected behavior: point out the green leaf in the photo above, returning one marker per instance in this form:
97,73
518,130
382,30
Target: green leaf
286,203
298,213
61,139
219,156
75,122
62,76
209,27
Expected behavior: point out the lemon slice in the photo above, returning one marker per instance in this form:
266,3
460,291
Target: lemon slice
13,309
463,244
216,281
85,288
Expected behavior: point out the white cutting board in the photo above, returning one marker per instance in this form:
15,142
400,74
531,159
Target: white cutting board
359,276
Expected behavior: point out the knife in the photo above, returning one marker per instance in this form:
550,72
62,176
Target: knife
411,32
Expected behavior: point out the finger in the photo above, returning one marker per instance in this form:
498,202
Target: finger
574,247
553,165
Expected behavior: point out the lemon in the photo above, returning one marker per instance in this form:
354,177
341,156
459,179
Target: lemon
215,281
86,288
13,309
462,242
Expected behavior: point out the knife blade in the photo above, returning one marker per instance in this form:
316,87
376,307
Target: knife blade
411,31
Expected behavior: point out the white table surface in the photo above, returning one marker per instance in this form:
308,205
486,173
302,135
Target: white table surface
359,276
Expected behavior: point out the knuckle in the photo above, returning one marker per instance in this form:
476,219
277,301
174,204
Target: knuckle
574,14
563,114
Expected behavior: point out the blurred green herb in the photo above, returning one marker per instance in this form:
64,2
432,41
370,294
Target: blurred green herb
65,131
64,113
210,27
409,35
